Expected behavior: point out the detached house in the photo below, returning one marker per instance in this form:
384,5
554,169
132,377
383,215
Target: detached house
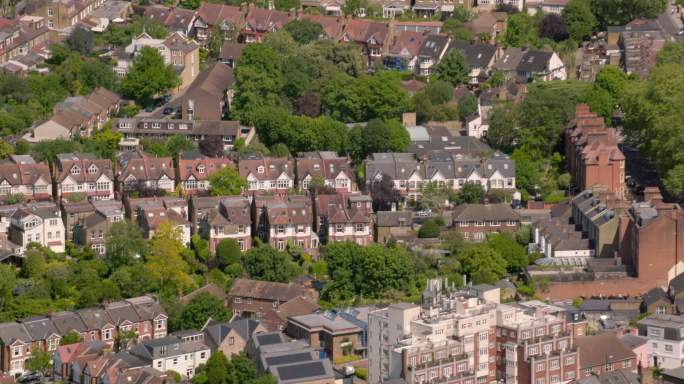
267,173
172,353
83,173
20,174
95,227
335,171
139,170
260,21
231,220
227,18
371,36
41,224
431,52
542,65
404,50
475,221
194,170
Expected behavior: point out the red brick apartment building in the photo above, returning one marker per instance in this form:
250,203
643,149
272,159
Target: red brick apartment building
592,153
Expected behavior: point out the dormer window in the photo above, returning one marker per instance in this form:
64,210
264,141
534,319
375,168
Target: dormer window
260,169
92,169
200,168
75,170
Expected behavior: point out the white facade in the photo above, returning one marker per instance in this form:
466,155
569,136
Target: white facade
102,189
283,182
185,361
48,232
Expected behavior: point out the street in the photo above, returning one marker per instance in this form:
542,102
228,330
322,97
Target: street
671,23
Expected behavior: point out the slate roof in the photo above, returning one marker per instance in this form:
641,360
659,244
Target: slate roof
66,321
398,166
676,285
40,327
509,60
433,46
394,219
10,332
188,167
266,290
484,212
477,55
534,61
655,295
326,164
144,166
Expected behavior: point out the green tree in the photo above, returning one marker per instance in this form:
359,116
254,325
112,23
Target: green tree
482,264
40,361
614,80
503,127
228,252
511,251
71,337
202,307
672,53
148,76
125,245
8,281
266,263
5,150
226,181
620,12
457,29
579,19
179,143
165,264
521,30
470,193
34,264
429,229
304,31
453,68
467,105
81,40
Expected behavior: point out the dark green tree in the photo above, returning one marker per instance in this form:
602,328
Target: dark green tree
125,245
579,18
453,68
429,229
71,337
304,31
228,252
266,263
81,40
470,193
482,264
467,105
202,307
148,76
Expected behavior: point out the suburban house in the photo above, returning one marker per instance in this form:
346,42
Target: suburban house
371,36
231,338
343,217
194,170
285,220
60,15
604,353
175,19
84,174
92,232
332,25
402,168
225,131
657,300
431,52
20,174
209,96
334,171
36,223
199,209
230,53
475,221
327,333
140,170
228,19
488,25
271,174
330,8
20,36
149,213
260,21
261,300
231,220
173,353
177,49
77,116
393,225
542,65
479,56
403,51
143,314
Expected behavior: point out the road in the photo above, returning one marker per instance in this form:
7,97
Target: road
671,23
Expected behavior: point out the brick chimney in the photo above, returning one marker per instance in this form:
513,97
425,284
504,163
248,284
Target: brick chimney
408,119
653,195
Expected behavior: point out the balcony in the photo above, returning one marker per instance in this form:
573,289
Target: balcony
437,362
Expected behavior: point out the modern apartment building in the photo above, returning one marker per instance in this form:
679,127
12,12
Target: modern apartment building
467,336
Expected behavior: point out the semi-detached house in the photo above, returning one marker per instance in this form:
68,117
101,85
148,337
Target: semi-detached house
267,174
84,174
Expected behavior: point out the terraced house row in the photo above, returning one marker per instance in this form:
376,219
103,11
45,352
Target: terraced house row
143,315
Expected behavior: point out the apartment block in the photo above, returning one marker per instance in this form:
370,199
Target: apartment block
61,15
467,336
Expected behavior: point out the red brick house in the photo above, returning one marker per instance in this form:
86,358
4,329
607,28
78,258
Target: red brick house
20,174
475,221
231,220
335,171
194,170
267,174
260,21
83,173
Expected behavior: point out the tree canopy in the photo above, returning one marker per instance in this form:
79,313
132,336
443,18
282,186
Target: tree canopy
453,68
148,77
226,181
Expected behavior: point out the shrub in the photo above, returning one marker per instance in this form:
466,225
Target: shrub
429,229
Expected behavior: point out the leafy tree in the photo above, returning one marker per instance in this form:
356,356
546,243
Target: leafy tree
383,136
81,41
125,245
228,252
521,30
439,92
71,337
434,196
553,27
457,29
165,264
212,146
40,361
579,18
384,193
470,193
266,263
34,265
467,105
304,31
8,281
429,229
511,251
226,181
5,150
15,198
453,68
202,307
148,76
280,150
287,5
614,80
620,12
672,53
179,143
124,339
503,127
482,264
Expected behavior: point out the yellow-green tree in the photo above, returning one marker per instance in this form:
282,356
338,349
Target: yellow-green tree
165,263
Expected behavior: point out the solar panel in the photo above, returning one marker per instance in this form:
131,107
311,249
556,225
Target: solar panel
299,371
268,339
288,359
